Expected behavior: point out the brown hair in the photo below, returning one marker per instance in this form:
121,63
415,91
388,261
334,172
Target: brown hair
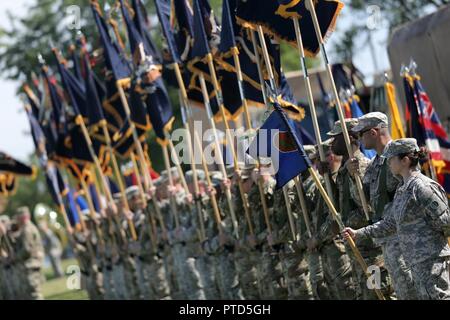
415,156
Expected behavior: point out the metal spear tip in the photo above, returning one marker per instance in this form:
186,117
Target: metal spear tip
403,70
386,77
41,59
412,66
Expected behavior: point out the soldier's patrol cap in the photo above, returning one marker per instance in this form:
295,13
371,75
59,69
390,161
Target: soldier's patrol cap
132,191
350,123
265,161
4,219
310,151
173,172
371,120
189,175
158,181
216,177
117,196
23,211
326,145
246,169
401,146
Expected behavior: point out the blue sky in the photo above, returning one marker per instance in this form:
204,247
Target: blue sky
13,121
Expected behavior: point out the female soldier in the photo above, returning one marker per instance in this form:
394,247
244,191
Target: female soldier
420,216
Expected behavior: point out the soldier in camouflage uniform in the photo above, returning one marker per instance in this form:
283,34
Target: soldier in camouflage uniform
108,254
137,206
379,186
294,266
8,287
420,216
151,258
128,246
29,255
85,245
185,242
352,213
315,209
245,255
205,260
335,263
227,275
265,265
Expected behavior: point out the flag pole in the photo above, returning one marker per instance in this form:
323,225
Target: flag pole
301,196
289,213
148,182
151,224
79,120
198,143
171,196
359,186
219,151
201,228
311,103
237,64
197,198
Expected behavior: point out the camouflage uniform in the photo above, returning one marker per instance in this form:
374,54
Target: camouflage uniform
292,257
91,277
245,256
227,275
135,248
185,241
9,287
110,254
171,255
337,264
380,185
30,257
152,263
421,218
204,262
353,217
266,266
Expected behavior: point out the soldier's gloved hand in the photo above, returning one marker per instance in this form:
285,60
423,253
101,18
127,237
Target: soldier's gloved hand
111,210
226,184
171,190
352,166
189,198
211,191
323,167
128,214
151,192
312,244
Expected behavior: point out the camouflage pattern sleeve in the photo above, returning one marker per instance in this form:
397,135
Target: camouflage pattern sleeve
434,201
363,164
383,228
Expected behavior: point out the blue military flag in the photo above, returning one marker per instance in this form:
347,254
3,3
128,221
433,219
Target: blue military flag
163,11
73,214
142,25
274,140
275,18
115,59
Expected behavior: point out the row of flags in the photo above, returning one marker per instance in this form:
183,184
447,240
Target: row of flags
121,91
423,123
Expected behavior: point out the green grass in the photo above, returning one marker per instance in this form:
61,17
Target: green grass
56,288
